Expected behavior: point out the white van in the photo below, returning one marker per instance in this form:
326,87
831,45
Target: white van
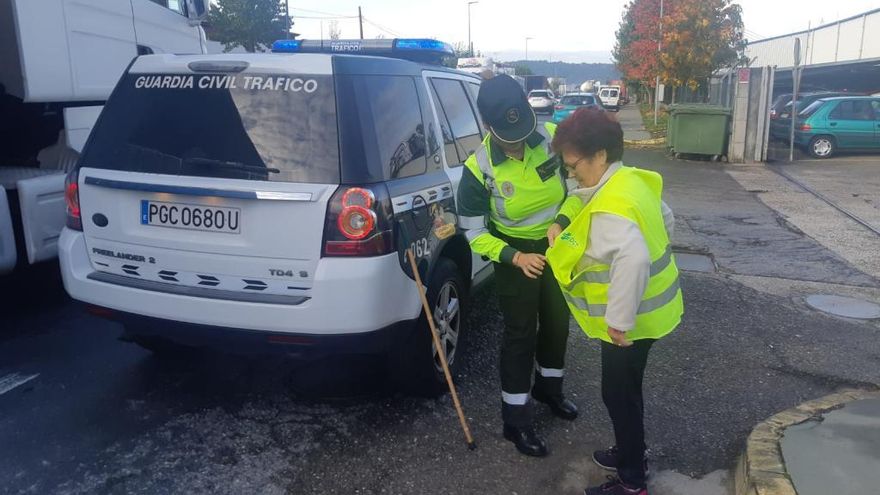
610,96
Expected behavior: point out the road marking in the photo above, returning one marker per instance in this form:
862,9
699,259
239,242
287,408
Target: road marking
13,380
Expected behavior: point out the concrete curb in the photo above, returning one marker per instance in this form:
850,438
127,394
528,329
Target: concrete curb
645,142
761,468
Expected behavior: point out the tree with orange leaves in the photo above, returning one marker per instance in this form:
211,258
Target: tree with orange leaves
699,37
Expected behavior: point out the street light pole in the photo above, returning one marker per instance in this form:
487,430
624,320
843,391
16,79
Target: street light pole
657,83
470,43
527,47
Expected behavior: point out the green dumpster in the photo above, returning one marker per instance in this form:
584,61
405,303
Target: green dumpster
698,130
673,110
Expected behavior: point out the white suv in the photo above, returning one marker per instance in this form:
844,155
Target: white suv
266,200
542,100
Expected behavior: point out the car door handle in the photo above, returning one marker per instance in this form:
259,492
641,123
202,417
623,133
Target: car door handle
833,124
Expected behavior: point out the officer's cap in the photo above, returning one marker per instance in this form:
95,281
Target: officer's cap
504,106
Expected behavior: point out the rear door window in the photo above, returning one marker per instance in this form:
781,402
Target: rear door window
462,120
853,110
383,134
240,126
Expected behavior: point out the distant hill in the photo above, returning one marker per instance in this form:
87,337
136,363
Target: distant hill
573,73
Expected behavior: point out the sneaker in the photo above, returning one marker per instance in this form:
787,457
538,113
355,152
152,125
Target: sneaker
615,487
609,458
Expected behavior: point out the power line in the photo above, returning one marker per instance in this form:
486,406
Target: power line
383,28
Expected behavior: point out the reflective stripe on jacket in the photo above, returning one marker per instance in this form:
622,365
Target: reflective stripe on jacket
633,194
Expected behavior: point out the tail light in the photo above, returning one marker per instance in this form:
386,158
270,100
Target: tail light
805,127
71,197
359,222
559,107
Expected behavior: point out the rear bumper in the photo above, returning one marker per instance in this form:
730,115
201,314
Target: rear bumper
241,341
349,296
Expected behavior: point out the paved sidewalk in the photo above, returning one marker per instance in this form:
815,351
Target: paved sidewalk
631,121
838,453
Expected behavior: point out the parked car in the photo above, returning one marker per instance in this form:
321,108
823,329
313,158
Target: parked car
542,101
266,201
778,104
610,96
571,102
780,125
842,123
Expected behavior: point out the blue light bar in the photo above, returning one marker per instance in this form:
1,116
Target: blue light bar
415,49
286,46
425,45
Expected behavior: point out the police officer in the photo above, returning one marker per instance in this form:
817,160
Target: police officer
511,195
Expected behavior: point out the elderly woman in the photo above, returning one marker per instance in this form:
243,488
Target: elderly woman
615,267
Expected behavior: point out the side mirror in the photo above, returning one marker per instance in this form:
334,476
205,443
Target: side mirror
196,11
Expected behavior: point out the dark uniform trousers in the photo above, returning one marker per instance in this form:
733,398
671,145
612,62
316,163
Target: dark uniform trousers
623,369
536,319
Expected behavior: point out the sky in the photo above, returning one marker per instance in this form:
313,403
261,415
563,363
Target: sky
566,30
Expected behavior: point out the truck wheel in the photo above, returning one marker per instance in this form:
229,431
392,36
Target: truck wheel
822,146
415,362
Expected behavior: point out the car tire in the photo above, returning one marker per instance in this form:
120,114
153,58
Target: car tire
414,364
822,147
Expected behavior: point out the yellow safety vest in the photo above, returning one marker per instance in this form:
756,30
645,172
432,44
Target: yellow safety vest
634,194
523,205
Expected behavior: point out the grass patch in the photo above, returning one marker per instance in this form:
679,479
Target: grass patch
659,130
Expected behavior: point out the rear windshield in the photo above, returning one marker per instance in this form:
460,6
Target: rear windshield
611,93
811,109
239,126
578,100
538,94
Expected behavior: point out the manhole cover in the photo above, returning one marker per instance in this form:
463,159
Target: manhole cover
694,262
844,306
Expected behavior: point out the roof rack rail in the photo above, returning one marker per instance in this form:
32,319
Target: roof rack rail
415,49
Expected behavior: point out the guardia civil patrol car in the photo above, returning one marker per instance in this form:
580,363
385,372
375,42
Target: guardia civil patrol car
255,200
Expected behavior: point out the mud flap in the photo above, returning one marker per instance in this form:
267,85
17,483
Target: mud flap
8,256
42,215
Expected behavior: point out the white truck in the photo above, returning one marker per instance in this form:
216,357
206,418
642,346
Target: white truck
59,62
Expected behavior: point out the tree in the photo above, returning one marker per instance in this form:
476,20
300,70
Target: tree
335,32
251,24
635,49
699,37
523,70
702,37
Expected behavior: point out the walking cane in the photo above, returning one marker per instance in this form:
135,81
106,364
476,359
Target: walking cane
429,315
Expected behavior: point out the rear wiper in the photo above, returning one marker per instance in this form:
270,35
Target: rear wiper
234,165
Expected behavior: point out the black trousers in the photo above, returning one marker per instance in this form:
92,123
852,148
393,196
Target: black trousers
536,320
623,369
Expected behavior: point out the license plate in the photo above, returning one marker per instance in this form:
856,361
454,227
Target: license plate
191,217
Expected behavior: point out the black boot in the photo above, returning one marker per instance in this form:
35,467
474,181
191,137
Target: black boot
526,440
559,405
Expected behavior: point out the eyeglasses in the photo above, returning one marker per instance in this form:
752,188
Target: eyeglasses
572,166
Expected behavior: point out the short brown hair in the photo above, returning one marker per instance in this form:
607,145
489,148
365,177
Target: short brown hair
589,131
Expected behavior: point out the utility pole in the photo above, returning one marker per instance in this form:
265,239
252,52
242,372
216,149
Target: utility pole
470,43
361,19
527,47
287,18
659,50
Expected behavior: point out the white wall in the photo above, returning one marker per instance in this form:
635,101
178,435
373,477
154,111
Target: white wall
849,40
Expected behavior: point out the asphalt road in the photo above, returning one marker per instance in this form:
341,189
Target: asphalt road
103,416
